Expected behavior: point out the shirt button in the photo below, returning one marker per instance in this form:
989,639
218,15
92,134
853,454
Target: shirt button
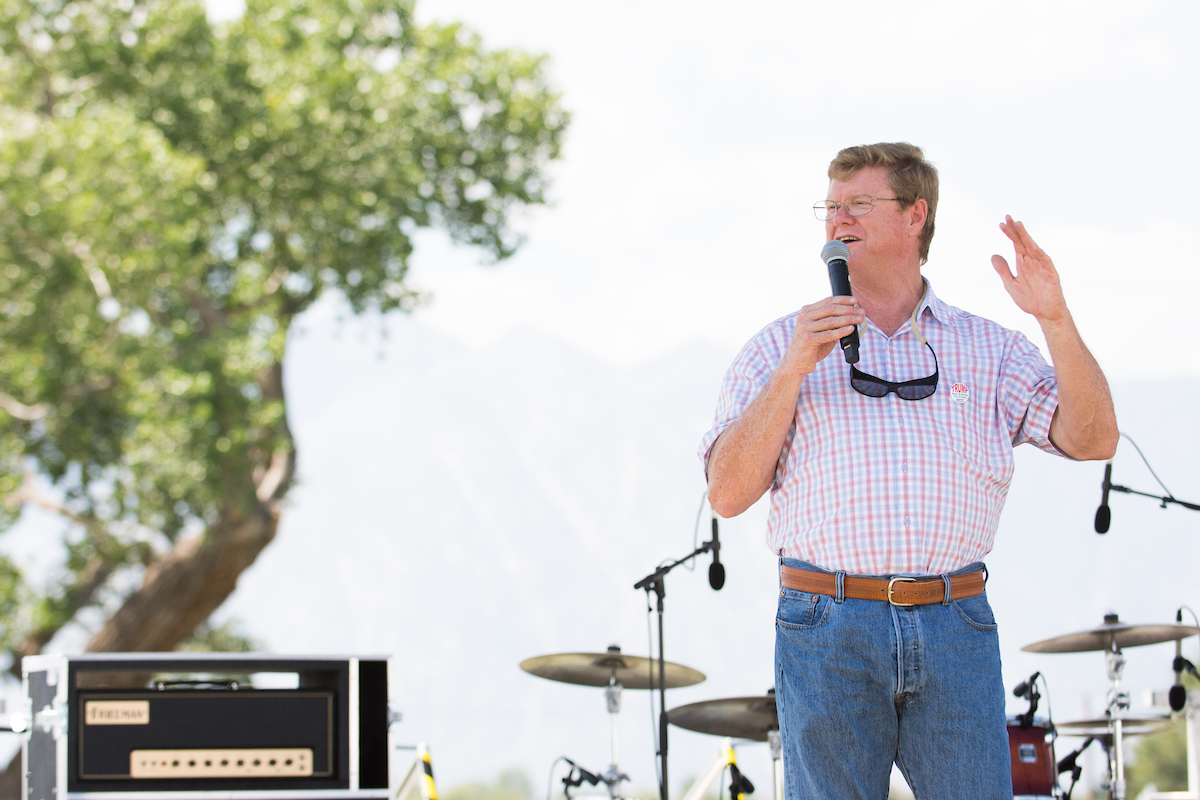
906,520
904,467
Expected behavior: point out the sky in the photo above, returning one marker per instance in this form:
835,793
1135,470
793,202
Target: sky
700,136
701,133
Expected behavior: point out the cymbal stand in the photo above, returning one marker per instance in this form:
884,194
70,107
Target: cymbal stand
1118,703
612,699
775,741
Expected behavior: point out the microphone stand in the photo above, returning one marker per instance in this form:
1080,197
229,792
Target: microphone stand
1163,500
654,583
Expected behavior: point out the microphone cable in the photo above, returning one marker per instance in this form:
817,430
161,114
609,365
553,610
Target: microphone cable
1147,463
691,566
550,780
654,718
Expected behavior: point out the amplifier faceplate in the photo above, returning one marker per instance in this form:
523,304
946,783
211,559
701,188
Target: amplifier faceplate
207,720
265,763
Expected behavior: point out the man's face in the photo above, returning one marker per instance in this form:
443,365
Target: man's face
883,236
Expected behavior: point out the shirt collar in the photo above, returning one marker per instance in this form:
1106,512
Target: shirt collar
920,321
937,309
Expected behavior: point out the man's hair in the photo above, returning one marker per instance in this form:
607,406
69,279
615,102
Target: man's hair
910,176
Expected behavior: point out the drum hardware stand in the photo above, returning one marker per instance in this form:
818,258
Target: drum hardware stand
576,777
419,775
654,583
1070,763
739,784
1118,703
775,742
1028,689
612,699
613,776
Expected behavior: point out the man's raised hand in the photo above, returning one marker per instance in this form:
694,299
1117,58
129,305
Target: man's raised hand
1035,287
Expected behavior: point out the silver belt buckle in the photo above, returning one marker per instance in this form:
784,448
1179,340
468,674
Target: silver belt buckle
891,584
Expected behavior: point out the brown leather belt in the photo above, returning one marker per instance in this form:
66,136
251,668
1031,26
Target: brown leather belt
899,591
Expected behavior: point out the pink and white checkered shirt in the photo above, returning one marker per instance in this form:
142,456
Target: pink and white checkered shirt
881,485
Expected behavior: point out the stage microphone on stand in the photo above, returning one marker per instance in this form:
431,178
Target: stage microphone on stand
1023,687
1104,513
716,570
835,254
1178,694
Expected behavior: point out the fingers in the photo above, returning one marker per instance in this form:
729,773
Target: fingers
833,313
1002,269
818,326
1022,241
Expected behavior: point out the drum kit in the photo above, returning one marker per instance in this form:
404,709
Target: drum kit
1110,731
755,719
746,718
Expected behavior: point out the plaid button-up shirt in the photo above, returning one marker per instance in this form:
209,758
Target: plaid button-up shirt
881,485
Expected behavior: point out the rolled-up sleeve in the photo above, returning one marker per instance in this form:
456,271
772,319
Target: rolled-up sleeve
745,378
1028,395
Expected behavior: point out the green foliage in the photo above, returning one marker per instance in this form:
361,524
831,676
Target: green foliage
224,638
172,195
1159,759
511,784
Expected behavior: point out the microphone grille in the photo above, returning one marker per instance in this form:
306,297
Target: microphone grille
834,249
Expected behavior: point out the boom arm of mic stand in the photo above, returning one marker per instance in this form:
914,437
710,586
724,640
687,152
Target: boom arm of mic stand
1161,499
645,583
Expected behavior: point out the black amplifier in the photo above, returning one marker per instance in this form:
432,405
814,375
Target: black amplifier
107,725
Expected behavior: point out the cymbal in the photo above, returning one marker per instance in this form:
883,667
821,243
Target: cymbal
1113,630
1098,727
596,669
739,717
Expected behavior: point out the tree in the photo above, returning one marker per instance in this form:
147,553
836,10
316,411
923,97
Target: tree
1159,759
172,195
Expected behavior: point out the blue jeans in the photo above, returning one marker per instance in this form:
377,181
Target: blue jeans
862,684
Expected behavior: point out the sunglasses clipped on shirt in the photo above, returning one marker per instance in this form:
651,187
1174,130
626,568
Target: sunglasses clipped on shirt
917,389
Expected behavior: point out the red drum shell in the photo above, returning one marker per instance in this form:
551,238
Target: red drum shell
1034,770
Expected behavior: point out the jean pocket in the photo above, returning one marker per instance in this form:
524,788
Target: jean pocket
976,611
800,611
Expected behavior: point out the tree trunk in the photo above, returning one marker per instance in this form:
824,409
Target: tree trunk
187,585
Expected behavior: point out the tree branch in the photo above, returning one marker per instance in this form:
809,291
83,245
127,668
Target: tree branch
21,411
188,584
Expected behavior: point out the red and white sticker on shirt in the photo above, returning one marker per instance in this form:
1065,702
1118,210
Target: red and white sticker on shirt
959,393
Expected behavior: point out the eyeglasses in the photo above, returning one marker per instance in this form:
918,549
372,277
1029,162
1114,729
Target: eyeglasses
857,206
917,389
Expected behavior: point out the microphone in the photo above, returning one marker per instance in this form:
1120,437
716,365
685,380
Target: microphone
584,775
1178,695
1103,513
1023,687
716,570
835,255
1068,764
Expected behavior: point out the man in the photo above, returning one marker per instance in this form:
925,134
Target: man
893,470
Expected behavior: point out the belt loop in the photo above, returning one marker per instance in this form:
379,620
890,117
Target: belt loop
840,579
946,580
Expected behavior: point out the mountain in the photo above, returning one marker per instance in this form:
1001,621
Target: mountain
464,510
